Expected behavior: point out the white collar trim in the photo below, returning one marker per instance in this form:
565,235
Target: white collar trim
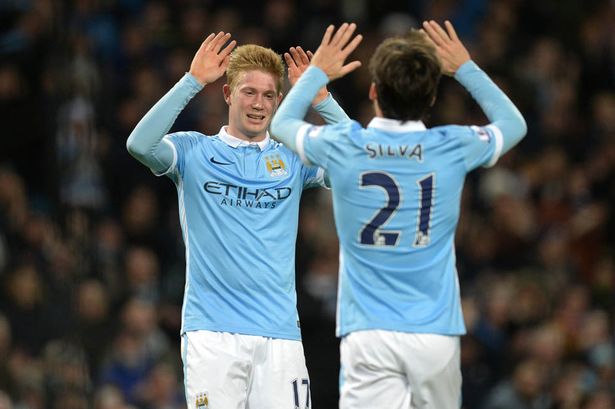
387,124
235,142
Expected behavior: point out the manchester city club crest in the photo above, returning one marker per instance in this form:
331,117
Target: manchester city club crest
275,166
202,401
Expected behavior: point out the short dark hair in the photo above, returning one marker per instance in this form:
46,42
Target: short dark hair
406,71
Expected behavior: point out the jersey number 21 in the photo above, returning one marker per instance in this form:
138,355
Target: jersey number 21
371,233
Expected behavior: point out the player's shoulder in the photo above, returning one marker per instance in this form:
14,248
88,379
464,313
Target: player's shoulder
454,134
187,135
280,147
350,127
466,133
342,131
451,130
194,138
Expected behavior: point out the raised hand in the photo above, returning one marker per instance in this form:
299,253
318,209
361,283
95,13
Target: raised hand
450,49
298,61
335,48
210,61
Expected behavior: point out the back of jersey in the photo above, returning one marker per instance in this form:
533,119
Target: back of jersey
396,195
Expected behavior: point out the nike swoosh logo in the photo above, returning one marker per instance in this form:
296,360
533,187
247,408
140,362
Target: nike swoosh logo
214,161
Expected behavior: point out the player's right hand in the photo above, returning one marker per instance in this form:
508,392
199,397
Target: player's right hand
210,61
335,48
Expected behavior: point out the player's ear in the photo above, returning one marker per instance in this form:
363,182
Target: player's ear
373,92
280,95
226,90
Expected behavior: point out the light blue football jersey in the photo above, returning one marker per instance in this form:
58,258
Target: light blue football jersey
396,196
239,205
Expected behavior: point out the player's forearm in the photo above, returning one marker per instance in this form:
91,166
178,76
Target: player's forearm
144,142
499,109
331,111
289,117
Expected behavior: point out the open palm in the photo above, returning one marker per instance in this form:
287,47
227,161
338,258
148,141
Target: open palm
210,61
335,48
298,61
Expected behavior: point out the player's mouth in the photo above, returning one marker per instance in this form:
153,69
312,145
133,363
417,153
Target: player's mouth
256,117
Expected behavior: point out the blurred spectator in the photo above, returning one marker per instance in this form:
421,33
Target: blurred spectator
139,320
6,381
110,397
127,366
93,322
525,390
162,389
5,401
67,378
142,273
23,304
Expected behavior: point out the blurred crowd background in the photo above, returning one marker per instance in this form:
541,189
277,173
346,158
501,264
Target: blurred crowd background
91,257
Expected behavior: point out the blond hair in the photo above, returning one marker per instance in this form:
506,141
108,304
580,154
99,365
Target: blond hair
254,57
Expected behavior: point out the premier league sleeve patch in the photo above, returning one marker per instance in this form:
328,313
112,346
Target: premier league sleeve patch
482,133
313,131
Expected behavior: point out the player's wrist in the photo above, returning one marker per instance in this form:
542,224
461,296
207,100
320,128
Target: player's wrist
194,81
320,98
463,69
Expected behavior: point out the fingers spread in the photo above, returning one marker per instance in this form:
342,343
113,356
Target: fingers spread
440,30
337,38
352,45
214,41
206,42
304,58
296,55
351,66
431,30
225,62
220,40
451,31
347,34
428,38
326,38
227,50
289,61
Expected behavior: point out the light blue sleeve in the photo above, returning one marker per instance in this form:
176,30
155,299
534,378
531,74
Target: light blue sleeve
289,118
182,143
479,145
507,125
146,141
317,143
313,176
331,111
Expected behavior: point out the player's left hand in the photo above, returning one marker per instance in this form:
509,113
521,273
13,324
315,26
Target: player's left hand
335,48
450,49
298,61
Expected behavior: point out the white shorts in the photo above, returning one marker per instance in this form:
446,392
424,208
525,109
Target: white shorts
231,371
396,370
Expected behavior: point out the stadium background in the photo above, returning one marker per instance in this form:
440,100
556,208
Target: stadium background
91,258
